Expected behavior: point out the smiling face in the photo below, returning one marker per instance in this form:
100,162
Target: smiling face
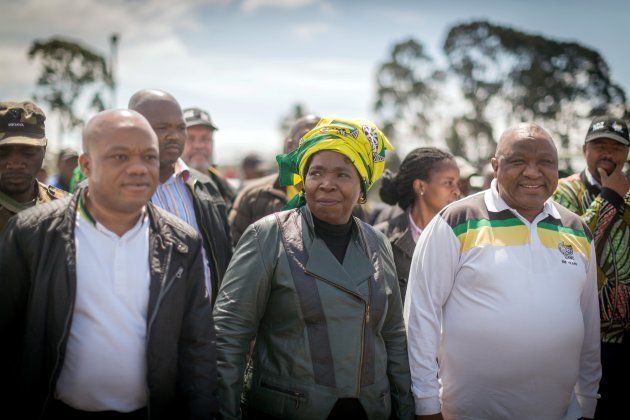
606,154
526,169
122,167
332,187
198,148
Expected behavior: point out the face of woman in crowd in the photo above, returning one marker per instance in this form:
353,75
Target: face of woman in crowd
332,187
441,188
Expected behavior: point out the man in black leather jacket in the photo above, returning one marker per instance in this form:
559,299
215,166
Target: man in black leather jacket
60,295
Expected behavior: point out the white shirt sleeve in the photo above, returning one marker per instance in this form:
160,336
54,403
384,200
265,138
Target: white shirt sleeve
590,364
431,277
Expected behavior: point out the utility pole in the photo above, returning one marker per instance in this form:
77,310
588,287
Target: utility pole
113,62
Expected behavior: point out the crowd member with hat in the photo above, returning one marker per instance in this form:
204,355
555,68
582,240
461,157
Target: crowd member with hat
265,196
22,149
188,194
317,288
199,150
103,310
599,194
67,162
425,183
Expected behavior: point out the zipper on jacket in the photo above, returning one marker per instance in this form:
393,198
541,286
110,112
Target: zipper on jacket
152,318
365,319
295,394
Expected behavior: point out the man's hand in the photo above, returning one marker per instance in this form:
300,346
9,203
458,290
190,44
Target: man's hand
437,416
616,181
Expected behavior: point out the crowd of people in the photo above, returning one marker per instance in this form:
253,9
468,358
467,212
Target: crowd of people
137,283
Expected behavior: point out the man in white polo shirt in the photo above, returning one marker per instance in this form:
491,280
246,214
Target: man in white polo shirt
501,307
103,308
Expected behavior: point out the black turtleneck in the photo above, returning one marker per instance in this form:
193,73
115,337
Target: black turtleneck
336,237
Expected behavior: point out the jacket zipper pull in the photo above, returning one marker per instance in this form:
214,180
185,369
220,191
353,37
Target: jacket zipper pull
367,314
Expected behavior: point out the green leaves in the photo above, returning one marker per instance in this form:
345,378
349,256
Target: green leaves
70,73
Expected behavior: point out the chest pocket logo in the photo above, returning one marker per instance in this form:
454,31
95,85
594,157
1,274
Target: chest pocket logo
566,250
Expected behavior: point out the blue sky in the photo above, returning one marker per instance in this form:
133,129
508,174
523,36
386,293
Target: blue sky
248,61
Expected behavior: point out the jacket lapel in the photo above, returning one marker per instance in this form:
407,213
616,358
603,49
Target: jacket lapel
356,262
322,263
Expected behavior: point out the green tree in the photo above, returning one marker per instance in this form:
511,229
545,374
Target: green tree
72,75
529,77
407,88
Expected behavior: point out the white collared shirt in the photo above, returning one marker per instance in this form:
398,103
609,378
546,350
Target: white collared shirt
509,309
105,362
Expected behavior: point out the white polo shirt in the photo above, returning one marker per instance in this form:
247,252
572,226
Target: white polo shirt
504,312
105,362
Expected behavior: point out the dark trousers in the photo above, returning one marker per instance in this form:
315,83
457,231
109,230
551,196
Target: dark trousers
613,388
59,410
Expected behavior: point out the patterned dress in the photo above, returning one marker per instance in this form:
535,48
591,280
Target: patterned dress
608,216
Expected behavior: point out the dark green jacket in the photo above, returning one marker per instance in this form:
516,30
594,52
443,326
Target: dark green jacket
323,331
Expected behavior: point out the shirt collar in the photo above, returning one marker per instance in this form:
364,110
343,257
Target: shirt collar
591,178
495,203
181,170
415,230
84,214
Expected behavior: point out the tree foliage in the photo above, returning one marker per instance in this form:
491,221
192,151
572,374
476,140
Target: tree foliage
531,76
407,89
70,73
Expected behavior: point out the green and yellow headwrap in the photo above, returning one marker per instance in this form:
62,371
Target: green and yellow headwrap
359,140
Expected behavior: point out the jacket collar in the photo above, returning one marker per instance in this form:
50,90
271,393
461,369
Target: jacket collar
356,267
400,234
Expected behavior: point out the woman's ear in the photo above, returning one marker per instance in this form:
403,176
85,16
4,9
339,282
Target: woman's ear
418,186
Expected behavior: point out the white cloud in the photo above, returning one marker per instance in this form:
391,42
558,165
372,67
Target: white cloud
253,5
309,31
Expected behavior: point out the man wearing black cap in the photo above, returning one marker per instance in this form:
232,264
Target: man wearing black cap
599,194
22,148
199,149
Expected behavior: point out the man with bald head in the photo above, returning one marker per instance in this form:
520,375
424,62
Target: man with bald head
183,191
501,305
103,307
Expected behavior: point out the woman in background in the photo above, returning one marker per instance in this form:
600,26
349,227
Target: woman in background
426,182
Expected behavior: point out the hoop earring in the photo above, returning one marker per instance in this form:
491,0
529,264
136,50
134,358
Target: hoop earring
362,199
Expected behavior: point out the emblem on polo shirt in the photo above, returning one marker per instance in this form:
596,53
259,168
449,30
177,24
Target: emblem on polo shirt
566,250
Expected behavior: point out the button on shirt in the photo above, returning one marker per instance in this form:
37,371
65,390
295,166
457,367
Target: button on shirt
509,309
174,197
105,363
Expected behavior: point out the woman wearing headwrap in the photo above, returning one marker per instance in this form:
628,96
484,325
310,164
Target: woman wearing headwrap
425,183
317,289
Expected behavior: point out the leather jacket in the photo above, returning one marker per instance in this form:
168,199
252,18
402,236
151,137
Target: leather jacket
323,330
37,294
